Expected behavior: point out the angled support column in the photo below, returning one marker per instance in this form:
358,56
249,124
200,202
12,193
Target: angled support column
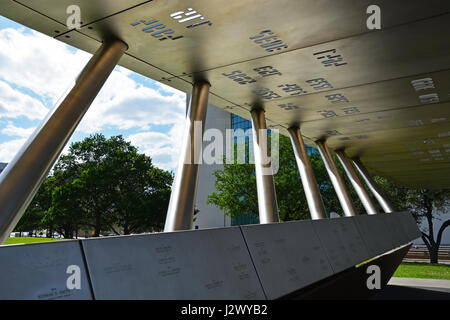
374,188
267,198
315,203
356,182
336,179
23,176
184,190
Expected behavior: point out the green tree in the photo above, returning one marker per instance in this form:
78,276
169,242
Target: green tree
89,163
427,205
396,194
142,195
235,190
65,214
236,187
32,219
106,185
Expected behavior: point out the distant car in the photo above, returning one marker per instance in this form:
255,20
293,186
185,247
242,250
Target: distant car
108,235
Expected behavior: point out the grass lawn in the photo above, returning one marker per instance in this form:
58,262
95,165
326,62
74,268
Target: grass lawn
423,270
19,240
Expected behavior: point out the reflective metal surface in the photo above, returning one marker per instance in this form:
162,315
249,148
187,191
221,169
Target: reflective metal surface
267,197
315,203
364,99
91,11
182,199
336,179
25,173
376,191
287,256
39,272
293,24
33,19
314,64
201,264
356,182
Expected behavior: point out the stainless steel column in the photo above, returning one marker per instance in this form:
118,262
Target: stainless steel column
267,198
356,182
25,173
315,203
336,179
182,199
373,186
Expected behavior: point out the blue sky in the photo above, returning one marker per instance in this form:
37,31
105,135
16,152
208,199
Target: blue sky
35,70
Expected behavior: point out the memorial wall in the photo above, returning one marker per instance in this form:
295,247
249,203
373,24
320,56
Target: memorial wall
236,263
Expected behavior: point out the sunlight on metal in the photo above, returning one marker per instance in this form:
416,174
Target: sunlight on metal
336,179
373,186
182,199
315,202
267,198
356,182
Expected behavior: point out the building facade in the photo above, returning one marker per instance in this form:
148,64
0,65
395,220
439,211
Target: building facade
209,216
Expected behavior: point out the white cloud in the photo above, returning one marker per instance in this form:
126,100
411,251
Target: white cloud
12,130
47,67
163,148
14,104
9,149
35,61
165,88
125,104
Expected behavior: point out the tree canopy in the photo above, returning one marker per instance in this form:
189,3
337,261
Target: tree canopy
236,187
102,185
428,206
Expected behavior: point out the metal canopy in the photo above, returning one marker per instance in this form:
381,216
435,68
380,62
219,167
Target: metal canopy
383,95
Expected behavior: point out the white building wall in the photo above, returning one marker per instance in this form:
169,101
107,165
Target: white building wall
211,216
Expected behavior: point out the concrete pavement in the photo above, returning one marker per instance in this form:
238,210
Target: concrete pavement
414,289
431,284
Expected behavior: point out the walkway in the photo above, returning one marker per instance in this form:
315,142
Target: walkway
415,289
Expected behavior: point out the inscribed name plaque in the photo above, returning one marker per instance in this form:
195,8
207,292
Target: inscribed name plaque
44,271
410,225
374,233
396,229
200,264
342,242
287,256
